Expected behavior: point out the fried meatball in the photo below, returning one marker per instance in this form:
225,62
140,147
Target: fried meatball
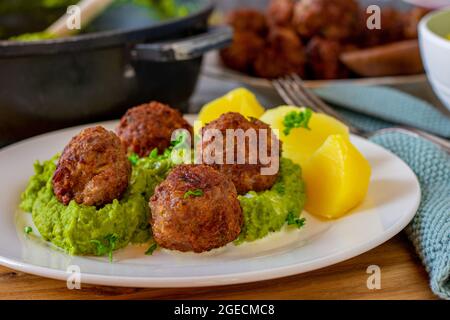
279,12
246,175
410,21
391,28
93,169
323,59
395,26
149,126
210,218
284,53
243,51
248,20
337,19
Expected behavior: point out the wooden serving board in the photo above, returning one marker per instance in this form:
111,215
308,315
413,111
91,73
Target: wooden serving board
402,277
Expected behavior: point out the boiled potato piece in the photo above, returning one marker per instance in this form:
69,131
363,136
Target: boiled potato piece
337,178
239,100
300,144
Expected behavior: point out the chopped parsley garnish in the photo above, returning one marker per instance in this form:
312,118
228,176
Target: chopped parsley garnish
154,153
107,245
296,119
293,220
167,153
180,138
194,193
134,158
151,249
28,230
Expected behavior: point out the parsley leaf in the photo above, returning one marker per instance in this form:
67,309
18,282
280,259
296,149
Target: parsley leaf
101,248
154,153
296,119
27,230
293,220
167,153
151,249
106,246
180,138
194,193
134,158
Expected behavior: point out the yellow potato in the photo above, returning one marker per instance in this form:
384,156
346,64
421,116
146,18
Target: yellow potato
239,100
300,144
337,178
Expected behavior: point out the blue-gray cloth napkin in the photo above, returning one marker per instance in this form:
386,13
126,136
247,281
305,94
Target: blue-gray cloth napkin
379,107
386,106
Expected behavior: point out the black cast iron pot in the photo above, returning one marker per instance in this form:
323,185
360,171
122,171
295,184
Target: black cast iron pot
52,84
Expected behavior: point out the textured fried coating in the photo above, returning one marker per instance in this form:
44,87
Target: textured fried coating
247,175
195,209
93,169
149,126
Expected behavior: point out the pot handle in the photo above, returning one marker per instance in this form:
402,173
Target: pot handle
184,49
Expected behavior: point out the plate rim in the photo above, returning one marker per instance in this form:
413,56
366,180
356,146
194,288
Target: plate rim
214,280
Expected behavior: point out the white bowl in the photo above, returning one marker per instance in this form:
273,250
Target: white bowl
434,29
432,4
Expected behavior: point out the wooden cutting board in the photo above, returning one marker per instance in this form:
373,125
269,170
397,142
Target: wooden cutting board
402,277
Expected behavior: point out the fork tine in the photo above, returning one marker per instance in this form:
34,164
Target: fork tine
292,90
294,99
279,87
289,94
300,86
297,91
323,107
320,104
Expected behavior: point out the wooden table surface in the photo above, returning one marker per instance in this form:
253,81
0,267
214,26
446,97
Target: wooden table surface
402,277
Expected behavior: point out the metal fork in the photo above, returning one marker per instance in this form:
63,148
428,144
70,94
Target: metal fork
293,92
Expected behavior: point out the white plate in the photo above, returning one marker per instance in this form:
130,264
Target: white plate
392,201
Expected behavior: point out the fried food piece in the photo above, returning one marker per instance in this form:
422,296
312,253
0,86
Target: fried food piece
395,26
336,20
93,169
280,12
284,53
248,20
246,176
323,59
195,209
410,21
391,28
243,51
149,126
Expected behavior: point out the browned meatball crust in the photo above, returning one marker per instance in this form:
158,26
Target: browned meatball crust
284,54
245,176
149,126
243,51
248,20
336,19
391,28
199,222
323,59
411,20
279,12
396,25
93,169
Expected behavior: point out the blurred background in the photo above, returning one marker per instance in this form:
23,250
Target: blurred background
134,51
